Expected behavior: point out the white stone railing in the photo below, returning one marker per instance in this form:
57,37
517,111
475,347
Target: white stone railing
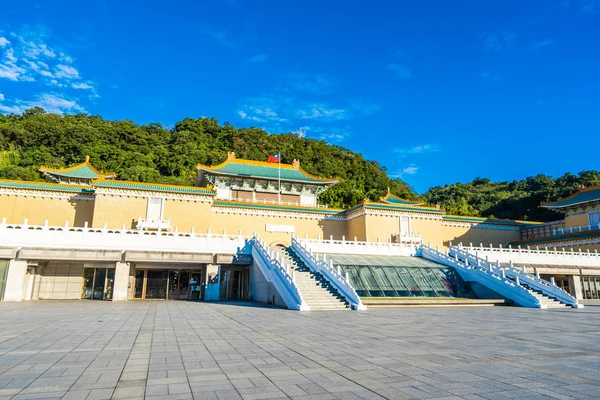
332,274
67,237
162,224
282,277
520,276
273,202
492,278
536,255
344,246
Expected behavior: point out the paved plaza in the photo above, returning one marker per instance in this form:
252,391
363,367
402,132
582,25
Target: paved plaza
185,350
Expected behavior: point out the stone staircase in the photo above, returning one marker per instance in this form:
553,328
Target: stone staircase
315,290
545,300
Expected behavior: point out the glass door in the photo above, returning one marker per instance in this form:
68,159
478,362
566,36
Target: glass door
140,282
98,283
156,284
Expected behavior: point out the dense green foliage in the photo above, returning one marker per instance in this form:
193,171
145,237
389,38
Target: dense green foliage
152,153
512,200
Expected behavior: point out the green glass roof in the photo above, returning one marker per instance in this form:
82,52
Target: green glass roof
266,171
384,261
81,171
44,186
585,196
152,187
401,207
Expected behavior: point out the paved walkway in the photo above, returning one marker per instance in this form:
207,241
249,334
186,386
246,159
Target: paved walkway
181,350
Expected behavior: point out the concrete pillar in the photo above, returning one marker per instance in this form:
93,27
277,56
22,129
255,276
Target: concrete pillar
121,282
575,286
213,278
15,280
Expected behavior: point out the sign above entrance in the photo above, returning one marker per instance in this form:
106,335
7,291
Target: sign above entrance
280,228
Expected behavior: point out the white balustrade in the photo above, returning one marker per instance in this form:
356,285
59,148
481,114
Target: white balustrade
67,237
274,271
331,273
519,275
344,246
536,255
488,277
144,223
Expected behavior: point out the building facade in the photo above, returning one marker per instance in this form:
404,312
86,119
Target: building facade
232,201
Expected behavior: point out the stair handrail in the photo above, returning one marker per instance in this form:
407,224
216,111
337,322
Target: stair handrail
534,281
519,294
332,275
283,280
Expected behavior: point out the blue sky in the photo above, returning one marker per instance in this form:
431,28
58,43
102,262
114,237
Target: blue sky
436,91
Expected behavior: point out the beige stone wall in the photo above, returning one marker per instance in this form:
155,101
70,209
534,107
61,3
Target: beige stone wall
248,224
355,227
381,227
186,215
576,221
116,210
39,209
435,232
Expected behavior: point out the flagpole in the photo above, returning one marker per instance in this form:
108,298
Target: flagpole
279,179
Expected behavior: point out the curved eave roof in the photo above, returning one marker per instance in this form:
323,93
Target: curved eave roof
32,185
81,171
480,220
586,195
404,207
264,170
393,199
156,187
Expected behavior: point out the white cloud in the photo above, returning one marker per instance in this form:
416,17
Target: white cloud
259,58
321,111
542,43
1,97
10,70
66,71
401,71
263,110
497,42
50,102
410,170
65,58
414,150
82,85
28,59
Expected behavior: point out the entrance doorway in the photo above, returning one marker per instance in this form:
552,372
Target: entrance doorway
235,283
174,284
98,283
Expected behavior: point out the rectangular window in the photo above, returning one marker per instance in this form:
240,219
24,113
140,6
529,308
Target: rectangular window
595,220
155,209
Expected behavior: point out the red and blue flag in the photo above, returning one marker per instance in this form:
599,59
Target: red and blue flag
275,158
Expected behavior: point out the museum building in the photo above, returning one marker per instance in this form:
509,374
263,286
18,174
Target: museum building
253,230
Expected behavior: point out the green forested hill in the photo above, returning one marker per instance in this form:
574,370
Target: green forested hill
511,200
152,153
